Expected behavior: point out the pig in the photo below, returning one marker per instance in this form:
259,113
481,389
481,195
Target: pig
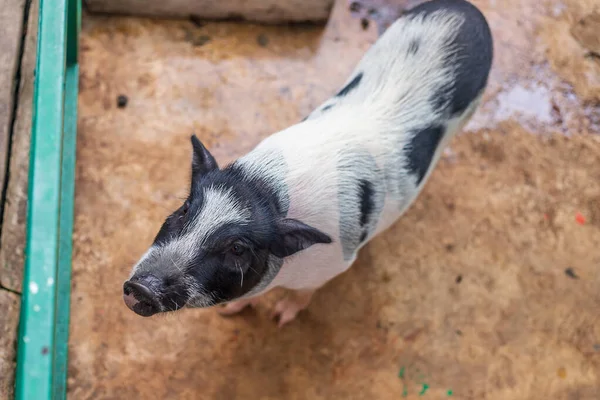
295,211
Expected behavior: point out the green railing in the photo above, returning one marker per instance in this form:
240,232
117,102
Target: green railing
44,323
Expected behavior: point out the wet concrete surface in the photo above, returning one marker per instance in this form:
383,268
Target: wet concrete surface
486,289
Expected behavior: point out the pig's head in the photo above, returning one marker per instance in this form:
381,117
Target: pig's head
228,238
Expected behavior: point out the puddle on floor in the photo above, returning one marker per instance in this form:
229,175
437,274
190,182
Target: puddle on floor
523,86
530,103
543,105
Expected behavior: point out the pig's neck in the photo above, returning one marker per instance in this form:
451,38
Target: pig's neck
305,180
303,174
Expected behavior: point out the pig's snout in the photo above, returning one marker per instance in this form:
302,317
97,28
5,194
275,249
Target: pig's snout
139,296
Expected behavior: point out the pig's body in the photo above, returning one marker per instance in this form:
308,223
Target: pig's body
356,163
347,172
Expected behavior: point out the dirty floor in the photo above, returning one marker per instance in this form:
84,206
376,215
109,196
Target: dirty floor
486,289
18,22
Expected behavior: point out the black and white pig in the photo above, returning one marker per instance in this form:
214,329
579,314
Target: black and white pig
295,211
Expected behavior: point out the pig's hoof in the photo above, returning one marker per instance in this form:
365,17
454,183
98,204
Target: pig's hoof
287,309
237,306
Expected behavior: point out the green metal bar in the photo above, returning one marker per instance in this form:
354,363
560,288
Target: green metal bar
63,281
73,28
44,323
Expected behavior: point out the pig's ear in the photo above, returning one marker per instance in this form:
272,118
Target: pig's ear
202,160
293,236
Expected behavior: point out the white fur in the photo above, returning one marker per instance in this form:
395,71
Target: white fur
218,208
392,99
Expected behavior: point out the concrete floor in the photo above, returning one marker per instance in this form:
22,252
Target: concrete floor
486,289
18,19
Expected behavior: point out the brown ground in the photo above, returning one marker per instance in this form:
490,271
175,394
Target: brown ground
486,289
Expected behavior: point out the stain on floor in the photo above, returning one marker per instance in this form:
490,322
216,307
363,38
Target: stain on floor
467,295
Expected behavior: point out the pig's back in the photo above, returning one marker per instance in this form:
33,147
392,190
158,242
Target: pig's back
361,158
430,65
387,125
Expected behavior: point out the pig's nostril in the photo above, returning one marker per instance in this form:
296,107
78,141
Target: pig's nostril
137,289
140,299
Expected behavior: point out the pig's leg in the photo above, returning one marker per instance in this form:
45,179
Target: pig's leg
236,306
296,301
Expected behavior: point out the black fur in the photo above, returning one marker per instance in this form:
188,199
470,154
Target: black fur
174,223
216,269
472,58
294,236
353,84
363,236
219,270
202,161
413,46
322,110
421,148
366,201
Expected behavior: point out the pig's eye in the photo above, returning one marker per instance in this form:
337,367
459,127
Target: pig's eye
237,249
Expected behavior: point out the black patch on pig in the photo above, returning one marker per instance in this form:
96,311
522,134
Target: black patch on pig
361,198
366,201
363,236
413,46
421,148
353,84
470,59
214,266
327,107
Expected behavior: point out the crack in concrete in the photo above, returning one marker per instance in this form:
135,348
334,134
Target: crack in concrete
13,117
10,290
